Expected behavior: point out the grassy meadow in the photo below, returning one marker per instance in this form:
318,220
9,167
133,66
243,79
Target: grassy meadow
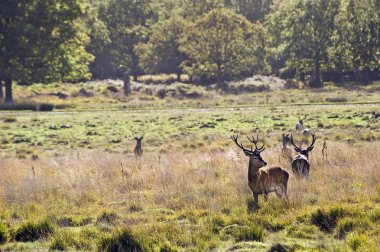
69,179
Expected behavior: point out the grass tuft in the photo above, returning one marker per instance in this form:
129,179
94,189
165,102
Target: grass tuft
4,234
327,220
33,231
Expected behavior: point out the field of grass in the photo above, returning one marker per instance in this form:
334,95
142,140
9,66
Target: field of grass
69,179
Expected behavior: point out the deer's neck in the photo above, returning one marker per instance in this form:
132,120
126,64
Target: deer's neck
253,171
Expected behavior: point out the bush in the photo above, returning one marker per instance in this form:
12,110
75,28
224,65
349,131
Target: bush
124,240
326,220
32,231
4,234
181,90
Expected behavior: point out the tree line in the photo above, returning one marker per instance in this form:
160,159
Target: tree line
210,40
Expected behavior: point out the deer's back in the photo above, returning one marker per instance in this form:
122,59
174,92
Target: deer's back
300,165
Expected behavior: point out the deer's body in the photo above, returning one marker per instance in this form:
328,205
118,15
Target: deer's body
299,126
286,151
264,181
138,149
301,164
261,181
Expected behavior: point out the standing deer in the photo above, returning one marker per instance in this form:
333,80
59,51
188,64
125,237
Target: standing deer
260,181
138,149
286,151
301,164
299,125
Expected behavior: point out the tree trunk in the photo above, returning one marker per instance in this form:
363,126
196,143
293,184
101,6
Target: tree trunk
1,90
135,77
8,90
364,76
127,84
219,80
179,77
316,80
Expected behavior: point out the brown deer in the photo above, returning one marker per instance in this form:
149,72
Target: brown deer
138,149
286,152
300,164
260,181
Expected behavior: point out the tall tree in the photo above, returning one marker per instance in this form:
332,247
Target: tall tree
301,31
253,10
126,21
41,41
222,45
161,53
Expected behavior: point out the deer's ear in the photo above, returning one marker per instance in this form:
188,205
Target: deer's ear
296,149
311,148
136,138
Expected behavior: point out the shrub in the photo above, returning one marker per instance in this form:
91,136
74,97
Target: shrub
124,240
355,241
181,90
4,234
326,220
32,231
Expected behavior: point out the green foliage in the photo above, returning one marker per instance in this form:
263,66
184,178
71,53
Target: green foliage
161,53
4,233
121,25
300,32
355,240
32,231
222,45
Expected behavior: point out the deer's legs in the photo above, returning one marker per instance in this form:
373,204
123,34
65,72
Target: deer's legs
256,201
266,196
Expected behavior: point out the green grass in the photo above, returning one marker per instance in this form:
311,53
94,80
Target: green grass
70,180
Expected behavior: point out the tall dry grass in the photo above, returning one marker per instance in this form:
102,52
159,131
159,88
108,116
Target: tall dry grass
179,180
92,182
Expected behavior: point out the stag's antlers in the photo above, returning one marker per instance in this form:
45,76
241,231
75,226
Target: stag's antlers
253,140
299,149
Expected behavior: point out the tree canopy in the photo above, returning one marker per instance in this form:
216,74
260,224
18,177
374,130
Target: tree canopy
67,41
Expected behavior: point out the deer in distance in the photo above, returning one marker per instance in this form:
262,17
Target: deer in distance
260,181
286,151
301,164
138,149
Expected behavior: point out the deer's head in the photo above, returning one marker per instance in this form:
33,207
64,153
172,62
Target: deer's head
254,155
138,140
308,149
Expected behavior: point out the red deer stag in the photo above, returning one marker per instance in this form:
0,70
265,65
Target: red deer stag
300,164
260,181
